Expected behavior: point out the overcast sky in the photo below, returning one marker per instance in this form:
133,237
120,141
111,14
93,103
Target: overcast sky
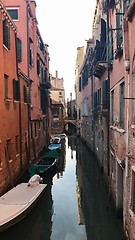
64,26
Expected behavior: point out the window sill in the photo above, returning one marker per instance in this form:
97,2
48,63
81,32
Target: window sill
5,47
8,99
120,130
133,126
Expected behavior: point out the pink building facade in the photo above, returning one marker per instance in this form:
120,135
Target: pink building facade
108,102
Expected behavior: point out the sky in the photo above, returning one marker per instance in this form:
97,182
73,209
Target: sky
65,25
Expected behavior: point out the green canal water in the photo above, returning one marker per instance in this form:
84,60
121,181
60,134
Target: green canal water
75,205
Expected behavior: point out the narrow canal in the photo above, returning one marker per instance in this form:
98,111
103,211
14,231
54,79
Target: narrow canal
75,206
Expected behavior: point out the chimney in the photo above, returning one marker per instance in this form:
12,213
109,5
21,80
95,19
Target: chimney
56,74
70,96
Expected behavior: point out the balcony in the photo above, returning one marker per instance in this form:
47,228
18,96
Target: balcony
100,69
100,59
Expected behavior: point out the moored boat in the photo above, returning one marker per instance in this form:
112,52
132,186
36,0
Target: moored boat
55,140
47,166
54,146
18,202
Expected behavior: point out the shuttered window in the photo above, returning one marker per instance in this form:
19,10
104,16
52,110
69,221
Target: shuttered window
110,46
119,33
38,66
26,94
112,107
6,35
121,105
6,86
19,50
105,94
16,90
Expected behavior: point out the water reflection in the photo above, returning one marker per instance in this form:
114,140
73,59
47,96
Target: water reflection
98,211
75,205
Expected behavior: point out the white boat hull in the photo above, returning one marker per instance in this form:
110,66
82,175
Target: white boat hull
17,203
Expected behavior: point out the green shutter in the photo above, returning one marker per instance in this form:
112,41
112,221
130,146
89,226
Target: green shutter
119,33
110,46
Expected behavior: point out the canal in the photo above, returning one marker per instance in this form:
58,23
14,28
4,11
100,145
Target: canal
75,205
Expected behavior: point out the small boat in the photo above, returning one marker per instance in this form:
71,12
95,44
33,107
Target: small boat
54,146
55,140
18,202
62,136
46,167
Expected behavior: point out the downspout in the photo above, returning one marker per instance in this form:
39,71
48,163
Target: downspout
127,127
28,85
20,110
127,68
108,96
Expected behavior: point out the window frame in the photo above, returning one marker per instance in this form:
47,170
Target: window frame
13,9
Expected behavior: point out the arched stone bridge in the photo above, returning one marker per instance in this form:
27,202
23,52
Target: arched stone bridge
70,126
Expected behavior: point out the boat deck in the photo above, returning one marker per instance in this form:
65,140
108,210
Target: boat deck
18,200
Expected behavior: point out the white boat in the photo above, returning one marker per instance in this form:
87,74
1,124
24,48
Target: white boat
62,136
17,203
55,140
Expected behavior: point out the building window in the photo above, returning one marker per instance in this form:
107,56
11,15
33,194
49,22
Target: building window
55,125
31,130
38,66
16,90
13,13
6,86
8,150
30,58
19,50
80,84
17,144
110,49
55,112
133,192
121,105
6,35
112,107
26,94
105,94
35,129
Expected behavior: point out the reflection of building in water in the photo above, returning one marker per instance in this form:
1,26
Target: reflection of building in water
42,217
62,160
72,142
99,215
80,213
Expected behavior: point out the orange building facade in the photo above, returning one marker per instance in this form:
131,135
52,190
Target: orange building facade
24,60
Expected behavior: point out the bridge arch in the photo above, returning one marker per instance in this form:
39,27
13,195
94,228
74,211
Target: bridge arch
70,127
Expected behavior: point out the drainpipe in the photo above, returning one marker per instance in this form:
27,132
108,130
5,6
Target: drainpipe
108,96
127,127
127,77
20,110
28,85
